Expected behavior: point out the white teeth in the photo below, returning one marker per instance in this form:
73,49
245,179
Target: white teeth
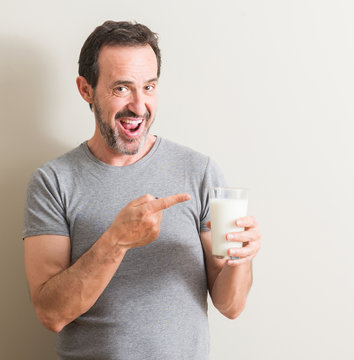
134,122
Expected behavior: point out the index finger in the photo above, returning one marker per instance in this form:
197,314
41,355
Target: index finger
168,201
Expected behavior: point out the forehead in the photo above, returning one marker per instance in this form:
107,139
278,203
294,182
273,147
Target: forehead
127,61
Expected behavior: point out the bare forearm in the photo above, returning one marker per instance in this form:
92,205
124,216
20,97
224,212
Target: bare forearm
63,292
73,291
230,289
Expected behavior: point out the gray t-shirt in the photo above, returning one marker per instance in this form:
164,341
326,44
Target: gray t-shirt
155,306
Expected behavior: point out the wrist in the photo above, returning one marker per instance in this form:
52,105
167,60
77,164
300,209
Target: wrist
110,246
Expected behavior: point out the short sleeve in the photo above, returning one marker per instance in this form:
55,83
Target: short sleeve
213,177
44,212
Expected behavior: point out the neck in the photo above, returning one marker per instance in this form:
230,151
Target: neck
104,153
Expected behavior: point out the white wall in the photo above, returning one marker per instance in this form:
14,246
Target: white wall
263,86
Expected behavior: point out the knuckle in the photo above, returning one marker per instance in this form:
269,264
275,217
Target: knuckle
149,197
251,221
241,253
253,235
144,199
156,231
151,222
141,213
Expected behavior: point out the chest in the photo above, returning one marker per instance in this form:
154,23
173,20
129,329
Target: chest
93,204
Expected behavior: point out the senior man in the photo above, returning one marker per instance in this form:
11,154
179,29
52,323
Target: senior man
112,276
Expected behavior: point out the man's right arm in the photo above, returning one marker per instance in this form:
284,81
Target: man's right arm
61,292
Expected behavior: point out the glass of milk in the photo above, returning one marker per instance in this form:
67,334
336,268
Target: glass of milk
226,206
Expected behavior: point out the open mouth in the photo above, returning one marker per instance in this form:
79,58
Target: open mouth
131,127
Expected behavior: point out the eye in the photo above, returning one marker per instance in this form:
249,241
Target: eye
120,89
149,88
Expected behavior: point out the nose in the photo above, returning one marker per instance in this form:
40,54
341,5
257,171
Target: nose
137,103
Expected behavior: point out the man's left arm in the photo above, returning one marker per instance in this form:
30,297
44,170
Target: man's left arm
229,281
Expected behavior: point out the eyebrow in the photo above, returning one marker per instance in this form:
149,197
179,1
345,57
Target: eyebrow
127,82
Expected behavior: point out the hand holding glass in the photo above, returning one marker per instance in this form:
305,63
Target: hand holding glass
226,206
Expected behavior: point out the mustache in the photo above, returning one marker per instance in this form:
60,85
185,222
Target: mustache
128,113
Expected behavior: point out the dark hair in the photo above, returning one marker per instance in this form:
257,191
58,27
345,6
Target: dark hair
122,33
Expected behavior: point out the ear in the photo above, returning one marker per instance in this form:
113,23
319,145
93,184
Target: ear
85,89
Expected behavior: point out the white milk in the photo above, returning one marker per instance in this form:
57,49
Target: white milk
223,214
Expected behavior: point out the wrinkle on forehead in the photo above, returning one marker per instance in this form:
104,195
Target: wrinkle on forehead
127,63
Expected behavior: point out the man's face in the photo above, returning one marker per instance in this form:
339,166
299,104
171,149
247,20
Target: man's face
125,97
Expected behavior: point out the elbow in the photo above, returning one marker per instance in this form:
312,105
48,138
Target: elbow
56,328
233,315
48,317
234,311
50,324
49,321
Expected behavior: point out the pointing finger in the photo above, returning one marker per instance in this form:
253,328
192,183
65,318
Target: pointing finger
142,200
166,202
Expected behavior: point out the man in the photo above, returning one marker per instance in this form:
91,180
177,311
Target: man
106,271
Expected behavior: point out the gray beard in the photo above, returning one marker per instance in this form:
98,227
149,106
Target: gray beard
114,140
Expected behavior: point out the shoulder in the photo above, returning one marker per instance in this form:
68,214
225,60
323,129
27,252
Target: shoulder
184,154
72,159
194,160
65,164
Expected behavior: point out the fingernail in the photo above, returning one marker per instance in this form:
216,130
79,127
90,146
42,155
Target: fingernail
230,237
